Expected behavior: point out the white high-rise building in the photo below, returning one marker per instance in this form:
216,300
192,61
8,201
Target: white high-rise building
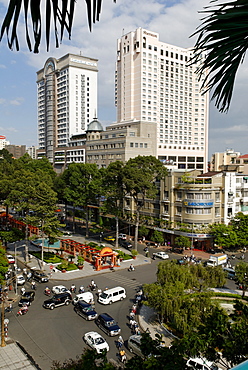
156,83
67,101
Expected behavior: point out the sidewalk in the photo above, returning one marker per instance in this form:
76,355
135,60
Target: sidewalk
148,322
13,357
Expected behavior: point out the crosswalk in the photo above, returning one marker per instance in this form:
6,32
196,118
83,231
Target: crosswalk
122,280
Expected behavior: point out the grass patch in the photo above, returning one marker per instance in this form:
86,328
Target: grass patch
48,257
69,267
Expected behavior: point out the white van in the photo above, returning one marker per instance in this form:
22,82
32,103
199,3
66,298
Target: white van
201,364
86,297
112,295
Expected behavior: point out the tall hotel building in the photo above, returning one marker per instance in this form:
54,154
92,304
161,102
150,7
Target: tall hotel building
67,103
154,82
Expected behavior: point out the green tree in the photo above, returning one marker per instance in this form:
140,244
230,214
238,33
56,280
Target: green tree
224,235
240,225
222,37
157,237
143,231
139,175
90,359
82,187
241,272
4,265
183,242
113,191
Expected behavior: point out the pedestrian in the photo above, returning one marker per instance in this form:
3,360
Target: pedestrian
33,285
137,329
29,276
123,356
22,291
131,315
120,342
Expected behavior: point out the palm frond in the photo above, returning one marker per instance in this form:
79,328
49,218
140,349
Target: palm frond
223,40
63,13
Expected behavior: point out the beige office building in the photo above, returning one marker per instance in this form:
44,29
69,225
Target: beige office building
154,83
119,142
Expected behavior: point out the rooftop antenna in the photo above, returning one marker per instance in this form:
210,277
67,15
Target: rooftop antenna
122,31
80,53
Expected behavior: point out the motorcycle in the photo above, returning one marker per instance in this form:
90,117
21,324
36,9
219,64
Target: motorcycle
131,268
92,287
47,292
22,311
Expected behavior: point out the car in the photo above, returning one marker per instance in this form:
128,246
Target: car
134,344
40,276
162,255
10,258
108,324
85,310
125,244
20,280
26,299
109,238
122,236
96,341
201,364
57,300
60,289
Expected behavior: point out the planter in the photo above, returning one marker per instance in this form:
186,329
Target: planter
63,270
134,257
80,267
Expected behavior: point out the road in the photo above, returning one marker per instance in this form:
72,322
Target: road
57,335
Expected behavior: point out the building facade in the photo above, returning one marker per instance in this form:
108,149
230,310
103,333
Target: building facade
156,83
67,101
119,142
3,142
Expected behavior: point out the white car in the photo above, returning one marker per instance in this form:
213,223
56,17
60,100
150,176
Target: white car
123,236
10,258
201,364
162,255
59,289
20,280
96,341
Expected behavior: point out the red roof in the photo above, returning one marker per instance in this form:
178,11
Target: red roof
243,156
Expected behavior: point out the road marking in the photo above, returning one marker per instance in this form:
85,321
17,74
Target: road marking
132,283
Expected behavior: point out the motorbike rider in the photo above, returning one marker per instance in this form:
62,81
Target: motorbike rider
131,268
93,284
81,289
73,288
47,290
33,285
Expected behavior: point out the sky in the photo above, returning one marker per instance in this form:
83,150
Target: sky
174,20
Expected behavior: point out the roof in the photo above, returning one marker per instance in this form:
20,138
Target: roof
95,125
243,156
209,174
